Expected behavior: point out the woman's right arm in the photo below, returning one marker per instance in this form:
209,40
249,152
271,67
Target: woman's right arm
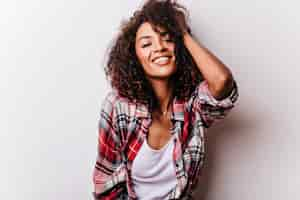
107,177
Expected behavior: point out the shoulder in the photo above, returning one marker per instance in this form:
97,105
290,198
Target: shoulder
117,105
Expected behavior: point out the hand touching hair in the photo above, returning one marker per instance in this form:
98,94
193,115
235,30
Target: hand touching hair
123,68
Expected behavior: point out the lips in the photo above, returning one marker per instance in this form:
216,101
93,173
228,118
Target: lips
162,60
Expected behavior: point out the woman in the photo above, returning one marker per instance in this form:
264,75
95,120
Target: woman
167,89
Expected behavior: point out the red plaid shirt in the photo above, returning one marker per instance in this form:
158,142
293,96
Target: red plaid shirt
123,126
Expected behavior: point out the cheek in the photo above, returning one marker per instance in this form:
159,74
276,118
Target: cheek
142,55
172,48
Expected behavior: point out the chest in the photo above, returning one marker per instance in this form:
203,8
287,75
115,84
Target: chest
159,133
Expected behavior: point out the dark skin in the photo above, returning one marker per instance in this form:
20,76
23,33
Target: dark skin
149,46
218,76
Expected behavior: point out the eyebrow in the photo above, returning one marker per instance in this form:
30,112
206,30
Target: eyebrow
144,37
148,36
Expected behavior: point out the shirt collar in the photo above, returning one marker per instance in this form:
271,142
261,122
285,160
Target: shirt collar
177,111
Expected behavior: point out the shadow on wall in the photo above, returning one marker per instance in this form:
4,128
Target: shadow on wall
231,128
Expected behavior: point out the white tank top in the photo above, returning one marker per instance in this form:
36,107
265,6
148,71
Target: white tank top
153,171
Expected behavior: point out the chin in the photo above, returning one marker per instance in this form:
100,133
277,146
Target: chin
163,73
155,71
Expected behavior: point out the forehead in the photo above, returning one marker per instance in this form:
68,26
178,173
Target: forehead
146,29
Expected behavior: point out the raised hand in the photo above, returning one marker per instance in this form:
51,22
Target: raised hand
182,22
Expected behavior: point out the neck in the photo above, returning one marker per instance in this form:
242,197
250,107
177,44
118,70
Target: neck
163,92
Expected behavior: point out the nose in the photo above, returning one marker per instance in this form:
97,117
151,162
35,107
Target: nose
159,45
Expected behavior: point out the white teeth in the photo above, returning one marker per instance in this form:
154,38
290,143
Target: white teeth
162,60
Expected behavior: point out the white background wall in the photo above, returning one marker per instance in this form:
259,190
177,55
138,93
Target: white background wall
52,83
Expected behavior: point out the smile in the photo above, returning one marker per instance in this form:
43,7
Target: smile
163,60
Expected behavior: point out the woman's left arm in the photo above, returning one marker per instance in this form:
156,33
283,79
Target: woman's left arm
217,75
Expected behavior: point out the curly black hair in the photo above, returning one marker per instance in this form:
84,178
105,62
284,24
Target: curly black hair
125,72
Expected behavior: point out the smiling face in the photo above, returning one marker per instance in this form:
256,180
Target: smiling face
155,51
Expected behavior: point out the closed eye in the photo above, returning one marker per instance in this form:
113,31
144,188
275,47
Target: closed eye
148,44
145,45
169,40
